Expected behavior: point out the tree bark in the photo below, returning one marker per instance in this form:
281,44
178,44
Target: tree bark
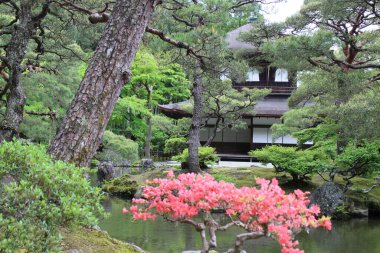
196,121
15,53
148,136
82,129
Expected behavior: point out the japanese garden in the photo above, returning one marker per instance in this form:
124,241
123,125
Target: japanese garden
190,126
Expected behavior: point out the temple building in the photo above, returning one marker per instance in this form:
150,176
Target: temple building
267,111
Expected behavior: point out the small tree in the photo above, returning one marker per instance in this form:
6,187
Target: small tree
298,163
262,211
175,145
207,156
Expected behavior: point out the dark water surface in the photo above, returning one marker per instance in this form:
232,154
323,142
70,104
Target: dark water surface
354,236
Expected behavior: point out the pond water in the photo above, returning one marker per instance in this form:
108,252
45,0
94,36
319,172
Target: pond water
354,236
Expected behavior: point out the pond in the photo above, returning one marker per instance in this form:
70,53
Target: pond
354,236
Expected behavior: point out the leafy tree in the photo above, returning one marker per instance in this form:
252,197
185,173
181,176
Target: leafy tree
117,148
200,29
265,211
124,43
48,95
334,48
298,163
16,31
36,37
157,84
175,145
105,76
207,156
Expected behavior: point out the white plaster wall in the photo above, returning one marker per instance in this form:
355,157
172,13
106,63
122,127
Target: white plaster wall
260,135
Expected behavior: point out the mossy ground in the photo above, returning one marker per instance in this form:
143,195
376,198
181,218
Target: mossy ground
246,177
85,240
123,186
126,185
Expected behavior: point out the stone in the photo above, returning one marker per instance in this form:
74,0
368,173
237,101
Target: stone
122,186
139,192
146,164
106,171
328,197
357,212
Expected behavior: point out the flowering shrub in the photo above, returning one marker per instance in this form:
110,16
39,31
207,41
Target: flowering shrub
265,210
39,195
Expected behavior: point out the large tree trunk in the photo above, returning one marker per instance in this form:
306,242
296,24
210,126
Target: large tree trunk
82,129
196,121
15,53
148,136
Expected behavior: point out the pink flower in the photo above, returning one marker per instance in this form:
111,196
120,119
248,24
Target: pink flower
267,206
125,211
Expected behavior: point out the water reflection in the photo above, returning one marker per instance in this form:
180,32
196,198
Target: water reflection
356,236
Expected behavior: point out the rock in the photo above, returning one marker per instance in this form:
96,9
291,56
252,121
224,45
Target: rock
357,212
146,164
328,197
139,192
121,186
124,166
106,171
109,170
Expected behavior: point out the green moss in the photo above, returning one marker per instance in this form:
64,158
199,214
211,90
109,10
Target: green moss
86,240
242,176
122,186
341,212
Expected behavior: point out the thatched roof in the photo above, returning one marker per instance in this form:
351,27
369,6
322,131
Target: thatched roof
234,41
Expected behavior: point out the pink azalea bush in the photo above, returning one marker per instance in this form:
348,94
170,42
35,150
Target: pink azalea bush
265,210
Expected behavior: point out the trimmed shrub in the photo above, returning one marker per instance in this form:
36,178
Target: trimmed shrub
117,148
38,195
207,156
298,163
176,145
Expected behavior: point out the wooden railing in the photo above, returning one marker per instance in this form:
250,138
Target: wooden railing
276,87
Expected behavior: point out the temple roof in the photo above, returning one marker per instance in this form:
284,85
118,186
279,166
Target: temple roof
233,40
270,106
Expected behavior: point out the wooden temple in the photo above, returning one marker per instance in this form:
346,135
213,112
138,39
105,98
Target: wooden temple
237,143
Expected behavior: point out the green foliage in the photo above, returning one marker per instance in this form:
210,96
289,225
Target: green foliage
167,82
207,155
117,148
176,145
361,159
172,127
298,163
43,195
47,90
337,103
